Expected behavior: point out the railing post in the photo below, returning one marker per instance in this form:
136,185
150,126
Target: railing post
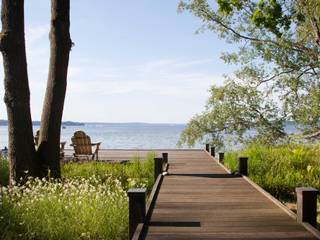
213,151
243,166
307,205
165,157
221,157
158,166
137,208
207,147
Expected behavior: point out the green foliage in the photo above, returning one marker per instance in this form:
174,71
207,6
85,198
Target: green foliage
227,6
308,102
280,169
90,202
72,209
140,172
269,14
4,171
278,66
231,110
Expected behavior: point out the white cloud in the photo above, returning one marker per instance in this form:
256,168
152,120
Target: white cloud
176,87
170,77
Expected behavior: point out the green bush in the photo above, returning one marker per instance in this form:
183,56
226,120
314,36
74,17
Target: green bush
89,202
280,169
4,171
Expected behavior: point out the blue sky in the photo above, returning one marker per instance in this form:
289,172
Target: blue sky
133,61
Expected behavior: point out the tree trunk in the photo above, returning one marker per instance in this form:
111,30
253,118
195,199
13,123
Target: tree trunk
21,154
60,46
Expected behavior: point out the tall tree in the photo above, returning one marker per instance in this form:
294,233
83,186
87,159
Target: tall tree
278,58
60,47
17,96
230,112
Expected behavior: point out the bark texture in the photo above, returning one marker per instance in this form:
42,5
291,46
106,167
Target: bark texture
17,95
60,46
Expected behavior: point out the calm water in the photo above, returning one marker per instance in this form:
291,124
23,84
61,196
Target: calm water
120,135
129,135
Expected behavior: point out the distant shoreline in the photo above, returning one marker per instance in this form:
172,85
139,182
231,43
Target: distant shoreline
37,123
134,123
73,123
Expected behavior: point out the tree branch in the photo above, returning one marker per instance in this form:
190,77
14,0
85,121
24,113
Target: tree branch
253,39
274,76
317,29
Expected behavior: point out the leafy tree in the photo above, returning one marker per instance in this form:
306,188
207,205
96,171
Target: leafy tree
278,58
17,95
232,110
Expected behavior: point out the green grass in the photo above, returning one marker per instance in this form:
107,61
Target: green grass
280,169
136,172
4,171
89,202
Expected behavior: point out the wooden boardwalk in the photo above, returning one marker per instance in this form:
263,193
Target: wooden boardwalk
200,199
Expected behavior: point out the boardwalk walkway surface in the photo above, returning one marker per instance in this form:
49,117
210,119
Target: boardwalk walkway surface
199,199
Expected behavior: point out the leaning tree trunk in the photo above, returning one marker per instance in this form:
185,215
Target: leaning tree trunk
17,96
60,46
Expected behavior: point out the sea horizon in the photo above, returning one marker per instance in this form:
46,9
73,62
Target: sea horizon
3,122
129,135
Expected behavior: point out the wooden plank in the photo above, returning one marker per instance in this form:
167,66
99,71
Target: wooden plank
199,199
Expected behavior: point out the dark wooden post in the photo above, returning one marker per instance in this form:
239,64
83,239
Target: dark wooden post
137,208
207,147
158,166
221,157
165,157
243,166
307,205
213,151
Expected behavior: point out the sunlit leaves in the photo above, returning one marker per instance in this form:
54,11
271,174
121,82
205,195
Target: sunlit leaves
232,110
227,6
278,61
270,15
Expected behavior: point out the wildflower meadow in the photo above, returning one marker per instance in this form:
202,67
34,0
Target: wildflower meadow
89,202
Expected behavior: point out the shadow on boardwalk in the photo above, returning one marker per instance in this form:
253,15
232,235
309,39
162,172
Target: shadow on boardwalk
199,199
207,175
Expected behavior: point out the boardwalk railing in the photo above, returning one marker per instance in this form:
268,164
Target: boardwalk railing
139,211
306,196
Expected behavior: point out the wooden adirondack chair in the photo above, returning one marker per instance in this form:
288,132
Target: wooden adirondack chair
83,147
62,144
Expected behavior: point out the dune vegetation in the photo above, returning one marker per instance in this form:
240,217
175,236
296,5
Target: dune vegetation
89,202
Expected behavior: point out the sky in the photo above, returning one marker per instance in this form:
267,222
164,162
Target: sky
133,61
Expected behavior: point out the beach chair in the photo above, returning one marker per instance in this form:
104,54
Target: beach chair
83,147
62,144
